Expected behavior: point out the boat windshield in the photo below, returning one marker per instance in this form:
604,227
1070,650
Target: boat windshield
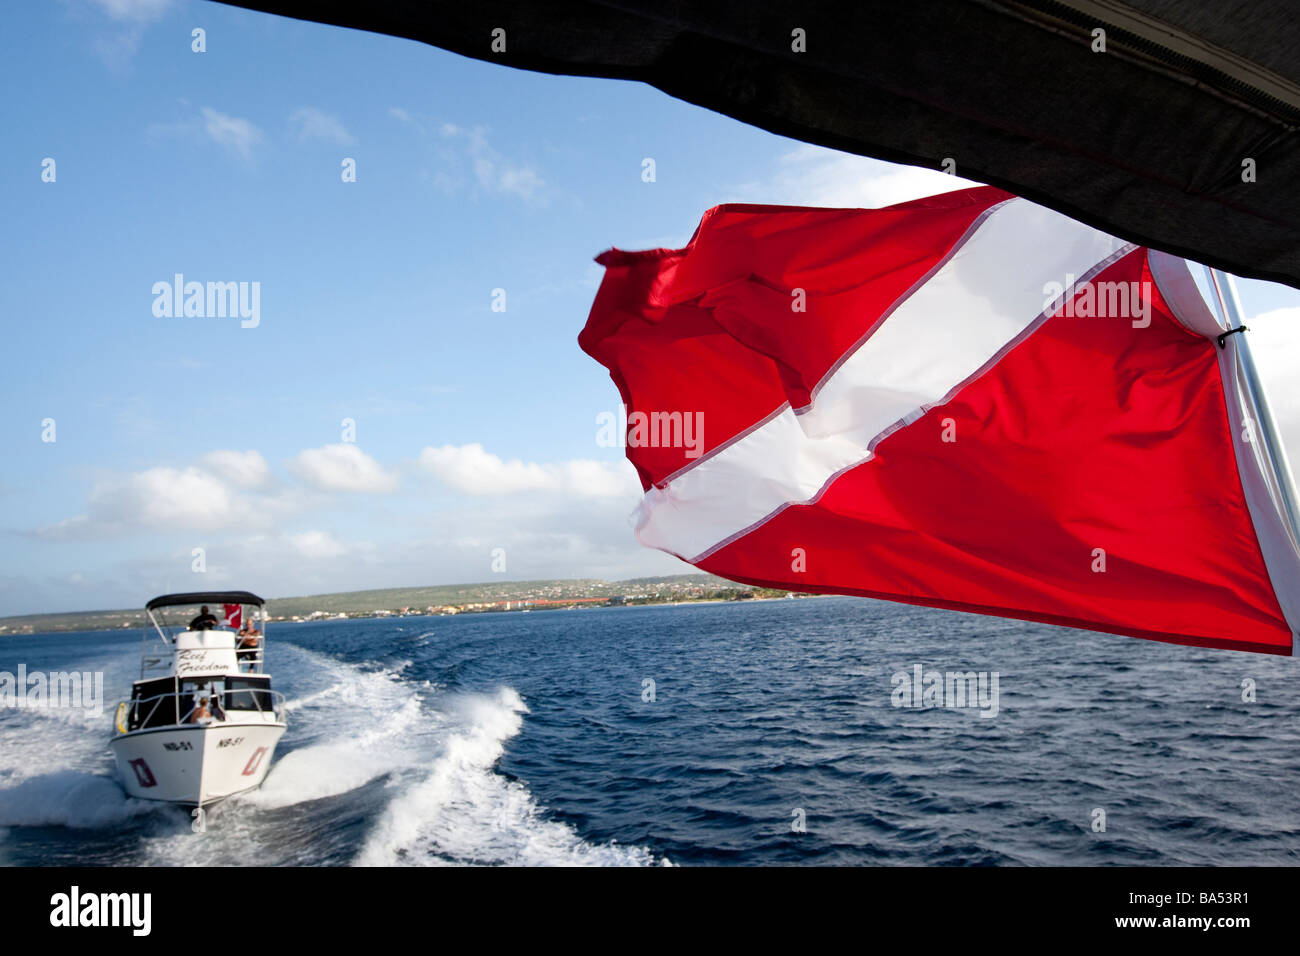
212,698
206,701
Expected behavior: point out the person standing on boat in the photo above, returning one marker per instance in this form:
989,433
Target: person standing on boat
246,649
204,621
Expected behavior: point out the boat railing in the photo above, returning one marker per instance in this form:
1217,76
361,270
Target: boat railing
249,658
177,709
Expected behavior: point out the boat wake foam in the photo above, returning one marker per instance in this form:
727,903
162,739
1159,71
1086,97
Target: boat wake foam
466,812
441,800
69,798
364,725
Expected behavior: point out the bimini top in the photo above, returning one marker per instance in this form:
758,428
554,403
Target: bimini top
204,597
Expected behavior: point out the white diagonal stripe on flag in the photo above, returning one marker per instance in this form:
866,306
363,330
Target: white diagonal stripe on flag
987,295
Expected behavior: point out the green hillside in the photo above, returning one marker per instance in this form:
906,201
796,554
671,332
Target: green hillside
677,587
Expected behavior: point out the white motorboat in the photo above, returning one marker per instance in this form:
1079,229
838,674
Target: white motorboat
202,722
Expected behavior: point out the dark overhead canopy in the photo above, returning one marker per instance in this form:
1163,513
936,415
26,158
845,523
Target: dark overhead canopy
189,598
1145,140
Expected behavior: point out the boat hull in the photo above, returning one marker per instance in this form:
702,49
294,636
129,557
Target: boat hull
195,764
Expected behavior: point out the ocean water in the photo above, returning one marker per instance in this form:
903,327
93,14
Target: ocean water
526,739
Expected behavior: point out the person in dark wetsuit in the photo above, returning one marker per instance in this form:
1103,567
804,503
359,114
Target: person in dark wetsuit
205,621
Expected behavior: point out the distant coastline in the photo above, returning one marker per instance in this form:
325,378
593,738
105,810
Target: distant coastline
482,598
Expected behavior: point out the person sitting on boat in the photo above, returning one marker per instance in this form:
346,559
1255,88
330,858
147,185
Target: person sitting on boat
204,621
215,698
200,712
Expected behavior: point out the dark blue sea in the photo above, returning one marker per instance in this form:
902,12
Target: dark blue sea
772,738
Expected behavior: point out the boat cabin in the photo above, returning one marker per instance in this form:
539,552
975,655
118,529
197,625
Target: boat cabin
205,666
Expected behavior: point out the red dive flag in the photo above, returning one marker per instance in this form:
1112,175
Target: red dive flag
967,401
234,615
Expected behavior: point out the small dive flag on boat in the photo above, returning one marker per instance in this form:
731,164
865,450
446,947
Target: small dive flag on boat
234,615
967,402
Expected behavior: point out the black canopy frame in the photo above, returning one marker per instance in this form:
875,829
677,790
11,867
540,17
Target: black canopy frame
188,598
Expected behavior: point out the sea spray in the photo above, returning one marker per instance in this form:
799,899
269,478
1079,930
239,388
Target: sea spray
465,812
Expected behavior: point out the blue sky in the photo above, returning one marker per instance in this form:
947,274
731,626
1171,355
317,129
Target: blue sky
475,429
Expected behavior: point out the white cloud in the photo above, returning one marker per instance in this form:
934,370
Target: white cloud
230,502
342,467
118,48
168,497
245,469
118,42
134,11
236,134
569,519
476,471
1275,345
311,123
468,157
157,499
223,490
494,173
454,544
317,544
813,176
